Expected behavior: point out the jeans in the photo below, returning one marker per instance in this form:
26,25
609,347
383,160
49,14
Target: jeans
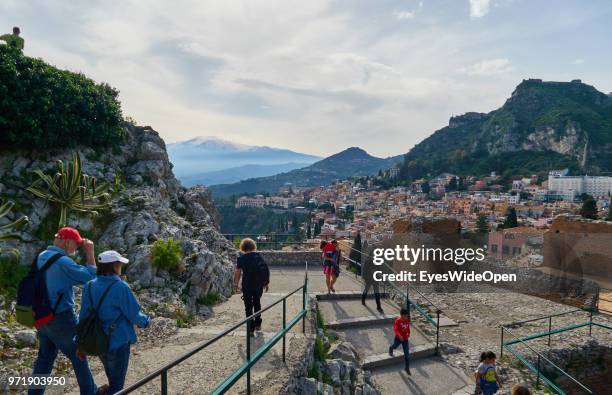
252,304
396,343
59,335
366,288
115,365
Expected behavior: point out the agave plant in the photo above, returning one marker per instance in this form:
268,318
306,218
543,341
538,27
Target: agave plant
7,230
71,189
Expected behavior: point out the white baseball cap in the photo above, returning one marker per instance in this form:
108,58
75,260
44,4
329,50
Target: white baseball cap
111,256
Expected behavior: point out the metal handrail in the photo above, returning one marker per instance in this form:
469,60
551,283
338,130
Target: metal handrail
541,356
245,368
542,317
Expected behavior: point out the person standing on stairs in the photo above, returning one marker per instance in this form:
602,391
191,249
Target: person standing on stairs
327,255
367,274
255,279
401,328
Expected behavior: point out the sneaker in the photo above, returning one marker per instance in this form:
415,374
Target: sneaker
363,302
390,352
380,310
102,390
258,328
407,370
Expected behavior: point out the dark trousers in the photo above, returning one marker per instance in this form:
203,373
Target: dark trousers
58,335
115,366
367,286
252,304
396,344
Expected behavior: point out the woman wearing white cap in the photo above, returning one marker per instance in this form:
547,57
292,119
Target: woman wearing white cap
118,312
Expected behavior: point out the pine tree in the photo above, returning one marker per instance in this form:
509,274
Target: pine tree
308,232
589,208
452,184
317,229
511,220
609,217
482,224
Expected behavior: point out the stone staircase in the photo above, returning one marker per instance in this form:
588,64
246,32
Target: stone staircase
371,333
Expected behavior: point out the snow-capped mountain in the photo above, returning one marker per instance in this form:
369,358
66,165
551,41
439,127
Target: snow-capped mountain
212,154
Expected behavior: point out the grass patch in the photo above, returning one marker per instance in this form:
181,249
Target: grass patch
320,352
166,254
320,320
210,299
313,371
184,320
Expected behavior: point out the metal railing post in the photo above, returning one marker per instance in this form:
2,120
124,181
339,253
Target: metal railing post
248,358
538,369
437,331
408,301
304,296
164,382
549,328
501,344
591,322
284,325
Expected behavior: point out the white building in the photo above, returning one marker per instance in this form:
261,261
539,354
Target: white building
568,187
248,201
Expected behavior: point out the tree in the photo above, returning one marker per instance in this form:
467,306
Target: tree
425,188
308,232
355,254
45,107
482,224
511,221
71,189
589,208
452,184
317,229
5,208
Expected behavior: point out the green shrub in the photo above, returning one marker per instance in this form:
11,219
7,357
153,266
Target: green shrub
184,320
45,107
320,353
11,272
166,254
209,299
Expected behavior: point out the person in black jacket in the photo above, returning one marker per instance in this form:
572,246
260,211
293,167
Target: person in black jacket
255,278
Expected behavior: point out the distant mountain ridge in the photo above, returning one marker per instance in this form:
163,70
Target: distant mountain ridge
203,155
235,174
351,162
542,126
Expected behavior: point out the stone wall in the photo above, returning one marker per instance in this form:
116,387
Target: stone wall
579,247
291,258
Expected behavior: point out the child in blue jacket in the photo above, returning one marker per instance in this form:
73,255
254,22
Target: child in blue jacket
118,313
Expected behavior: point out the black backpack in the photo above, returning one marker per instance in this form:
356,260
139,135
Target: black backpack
90,336
33,308
262,272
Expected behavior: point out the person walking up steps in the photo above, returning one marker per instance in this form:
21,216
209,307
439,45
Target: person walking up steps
401,328
255,278
61,275
118,312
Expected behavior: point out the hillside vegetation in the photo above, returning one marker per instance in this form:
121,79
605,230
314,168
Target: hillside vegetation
43,107
542,126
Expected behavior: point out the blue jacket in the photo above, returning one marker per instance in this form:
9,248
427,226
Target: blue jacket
62,276
119,306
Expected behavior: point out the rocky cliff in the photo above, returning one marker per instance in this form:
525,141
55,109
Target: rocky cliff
542,126
148,204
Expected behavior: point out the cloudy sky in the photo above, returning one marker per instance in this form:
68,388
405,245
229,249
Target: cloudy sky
316,76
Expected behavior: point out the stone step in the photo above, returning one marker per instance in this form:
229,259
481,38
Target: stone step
361,321
347,295
381,360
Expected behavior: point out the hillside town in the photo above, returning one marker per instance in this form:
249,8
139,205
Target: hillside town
359,206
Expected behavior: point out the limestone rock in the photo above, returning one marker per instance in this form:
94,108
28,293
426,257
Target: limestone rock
26,337
344,351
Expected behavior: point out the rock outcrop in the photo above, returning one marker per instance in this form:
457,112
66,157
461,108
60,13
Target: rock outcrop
148,204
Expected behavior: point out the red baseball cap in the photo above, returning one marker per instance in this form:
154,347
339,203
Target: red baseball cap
69,233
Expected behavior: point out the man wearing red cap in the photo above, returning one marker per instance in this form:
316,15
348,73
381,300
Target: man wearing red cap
58,334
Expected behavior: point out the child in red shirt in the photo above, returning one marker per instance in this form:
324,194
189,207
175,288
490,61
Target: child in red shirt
401,328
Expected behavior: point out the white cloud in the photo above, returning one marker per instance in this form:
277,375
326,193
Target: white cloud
488,67
479,8
578,61
402,15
